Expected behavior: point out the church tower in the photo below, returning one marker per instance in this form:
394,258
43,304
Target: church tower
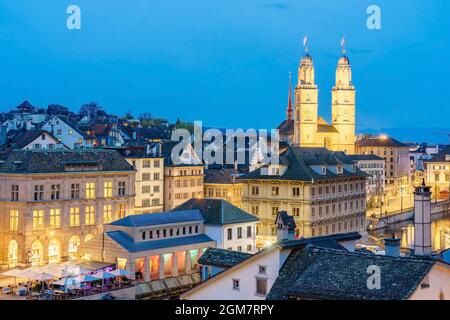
343,105
306,103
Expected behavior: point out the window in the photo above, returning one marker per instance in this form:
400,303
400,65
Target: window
255,190
146,177
229,234
143,235
296,212
38,192
75,191
275,191
122,210
55,218
436,177
55,191
239,248
107,213
239,232
249,231
295,192
155,202
145,203
235,284
146,189
255,210
90,190
14,220
274,211
89,215
156,163
249,248
146,164
156,189
107,190
261,286
122,188
74,217
14,192
262,269
38,220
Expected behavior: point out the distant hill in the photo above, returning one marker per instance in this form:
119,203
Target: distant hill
431,135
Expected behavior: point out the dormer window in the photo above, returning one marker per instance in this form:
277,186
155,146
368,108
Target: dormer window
339,169
324,170
275,170
144,235
353,168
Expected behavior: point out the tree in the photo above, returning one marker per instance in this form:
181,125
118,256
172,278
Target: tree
56,109
90,109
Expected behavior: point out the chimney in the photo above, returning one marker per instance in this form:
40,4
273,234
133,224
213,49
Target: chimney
422,220
392,246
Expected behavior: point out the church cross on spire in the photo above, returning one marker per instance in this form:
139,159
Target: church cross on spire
305,43
343,45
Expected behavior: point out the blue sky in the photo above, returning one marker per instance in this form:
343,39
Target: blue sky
226,62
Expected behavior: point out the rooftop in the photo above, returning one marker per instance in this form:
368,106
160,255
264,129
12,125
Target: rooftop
58,161
161,218
222,258
299,161
217,211
128,243
442,156
365,157
322,273
380,141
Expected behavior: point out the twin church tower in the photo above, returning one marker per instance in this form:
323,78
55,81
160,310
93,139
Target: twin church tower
304,127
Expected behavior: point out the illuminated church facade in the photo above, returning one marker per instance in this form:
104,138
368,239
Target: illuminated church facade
304,127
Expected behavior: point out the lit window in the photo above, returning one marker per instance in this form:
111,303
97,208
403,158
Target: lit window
14,220
90,190
107,213
122,210
236,284
38,220
89,215
74,217
108,189
55,218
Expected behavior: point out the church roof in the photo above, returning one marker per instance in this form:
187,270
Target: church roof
326,128
380,142
286,127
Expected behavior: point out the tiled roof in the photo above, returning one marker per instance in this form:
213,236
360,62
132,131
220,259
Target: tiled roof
24,137
127,242
441,156
321,273
222,258
286,127
166,152
380,142
290,244
55,161
299,161
221,176
217,211
365,157
150,219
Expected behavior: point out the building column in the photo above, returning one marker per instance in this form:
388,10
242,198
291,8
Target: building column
131,266
187,264
146,269
174,264
161,266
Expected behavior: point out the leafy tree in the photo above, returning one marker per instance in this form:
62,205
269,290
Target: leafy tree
90,109
56,109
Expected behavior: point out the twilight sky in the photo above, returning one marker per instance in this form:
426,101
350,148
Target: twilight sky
226,62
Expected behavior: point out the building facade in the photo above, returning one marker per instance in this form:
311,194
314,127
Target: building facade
183,177
324,191
66,132
376,182
222,184
396,155
52,201
437,171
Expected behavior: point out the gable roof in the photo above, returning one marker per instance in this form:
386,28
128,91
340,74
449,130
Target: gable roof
380,142
57,161
23,138
287,220
149,219
286,127
222,258
70,123
128,243
299,161
322,273
217,211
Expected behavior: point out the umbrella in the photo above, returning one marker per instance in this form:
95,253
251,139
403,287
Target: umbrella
42,276
86,278
103,275
12,273
53,269
120,272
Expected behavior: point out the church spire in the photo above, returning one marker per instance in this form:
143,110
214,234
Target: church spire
289,112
